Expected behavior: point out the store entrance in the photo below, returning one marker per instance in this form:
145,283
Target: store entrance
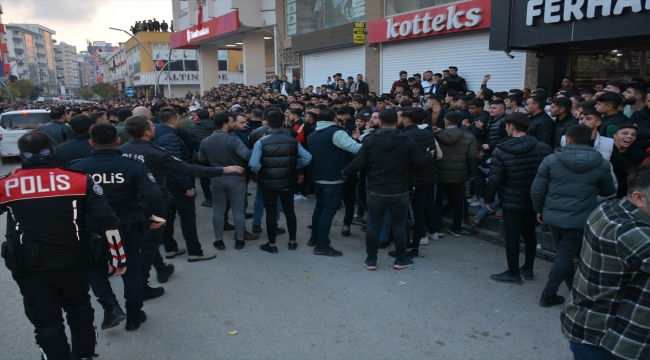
598,67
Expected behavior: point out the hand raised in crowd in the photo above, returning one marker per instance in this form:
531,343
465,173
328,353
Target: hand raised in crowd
233,170
486,78
479,124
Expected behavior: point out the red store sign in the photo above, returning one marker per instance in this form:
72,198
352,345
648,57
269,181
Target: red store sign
188,38
439,20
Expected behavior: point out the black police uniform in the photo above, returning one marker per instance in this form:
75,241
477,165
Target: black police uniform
77,148
158,160
125,183
47,250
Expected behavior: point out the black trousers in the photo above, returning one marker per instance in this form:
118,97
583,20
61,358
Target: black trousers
520,224
186,208
270,199
456,195
349,195
44,295
423,206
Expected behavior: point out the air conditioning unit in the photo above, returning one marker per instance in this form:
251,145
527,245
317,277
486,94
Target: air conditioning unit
240,67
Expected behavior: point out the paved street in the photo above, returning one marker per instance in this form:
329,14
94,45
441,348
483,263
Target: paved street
295,305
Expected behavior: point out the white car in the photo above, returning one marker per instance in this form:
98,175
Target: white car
13,124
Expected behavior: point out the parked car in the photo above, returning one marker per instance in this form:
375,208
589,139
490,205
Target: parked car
13,124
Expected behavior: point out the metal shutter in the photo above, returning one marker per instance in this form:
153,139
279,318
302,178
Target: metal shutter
468,51
348,61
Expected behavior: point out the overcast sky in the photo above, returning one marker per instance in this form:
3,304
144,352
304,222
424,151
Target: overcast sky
75,21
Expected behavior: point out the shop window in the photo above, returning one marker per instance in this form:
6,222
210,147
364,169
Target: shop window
223,65
392,7
593,68
305,16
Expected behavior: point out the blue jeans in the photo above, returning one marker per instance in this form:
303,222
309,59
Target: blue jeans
377,206
258,207
328,199
484,211
132,278
568,243
589,352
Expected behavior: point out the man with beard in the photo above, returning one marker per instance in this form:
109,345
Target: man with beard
634,99
221,149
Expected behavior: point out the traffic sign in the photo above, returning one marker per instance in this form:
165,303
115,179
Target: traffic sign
129,91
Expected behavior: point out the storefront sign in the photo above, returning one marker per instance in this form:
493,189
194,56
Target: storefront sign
464,16
188,38
359,32
555,11
540,24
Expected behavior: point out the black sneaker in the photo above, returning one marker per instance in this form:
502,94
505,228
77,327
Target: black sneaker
326,250
207,203
228,226
505,277
401,265
134,319
163,275
410,254
293,245
312,242
548,301
345,230
257,229
280,231
239,244
149,292
219,244
250,236
268,248
526,274
370,265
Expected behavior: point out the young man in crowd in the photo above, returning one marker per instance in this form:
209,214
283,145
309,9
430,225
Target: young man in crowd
387,156
512,171
564,194
276,159
458,165
607,105
561,111
541,126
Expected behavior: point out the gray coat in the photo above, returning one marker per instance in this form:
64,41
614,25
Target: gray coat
567,184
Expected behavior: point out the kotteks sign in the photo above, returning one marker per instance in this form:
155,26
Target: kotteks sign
464,16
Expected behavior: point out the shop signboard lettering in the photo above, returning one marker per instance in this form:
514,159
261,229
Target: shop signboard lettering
464,16
555,11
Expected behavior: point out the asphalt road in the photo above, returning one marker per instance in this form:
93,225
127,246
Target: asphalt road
296,305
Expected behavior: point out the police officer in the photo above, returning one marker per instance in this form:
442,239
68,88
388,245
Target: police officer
158,160
47,247
122,180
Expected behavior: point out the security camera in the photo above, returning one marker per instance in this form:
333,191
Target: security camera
510,56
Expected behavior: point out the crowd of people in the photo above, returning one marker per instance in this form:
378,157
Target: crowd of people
152,25
395,163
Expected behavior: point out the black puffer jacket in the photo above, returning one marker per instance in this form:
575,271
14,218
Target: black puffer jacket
641,118
560,128
199,131
543,128
169,139
513,170
279,161
496,131
425,139
459,162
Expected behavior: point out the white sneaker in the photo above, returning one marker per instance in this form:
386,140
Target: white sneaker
299,197
477,203
472,199
433,236
424,241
